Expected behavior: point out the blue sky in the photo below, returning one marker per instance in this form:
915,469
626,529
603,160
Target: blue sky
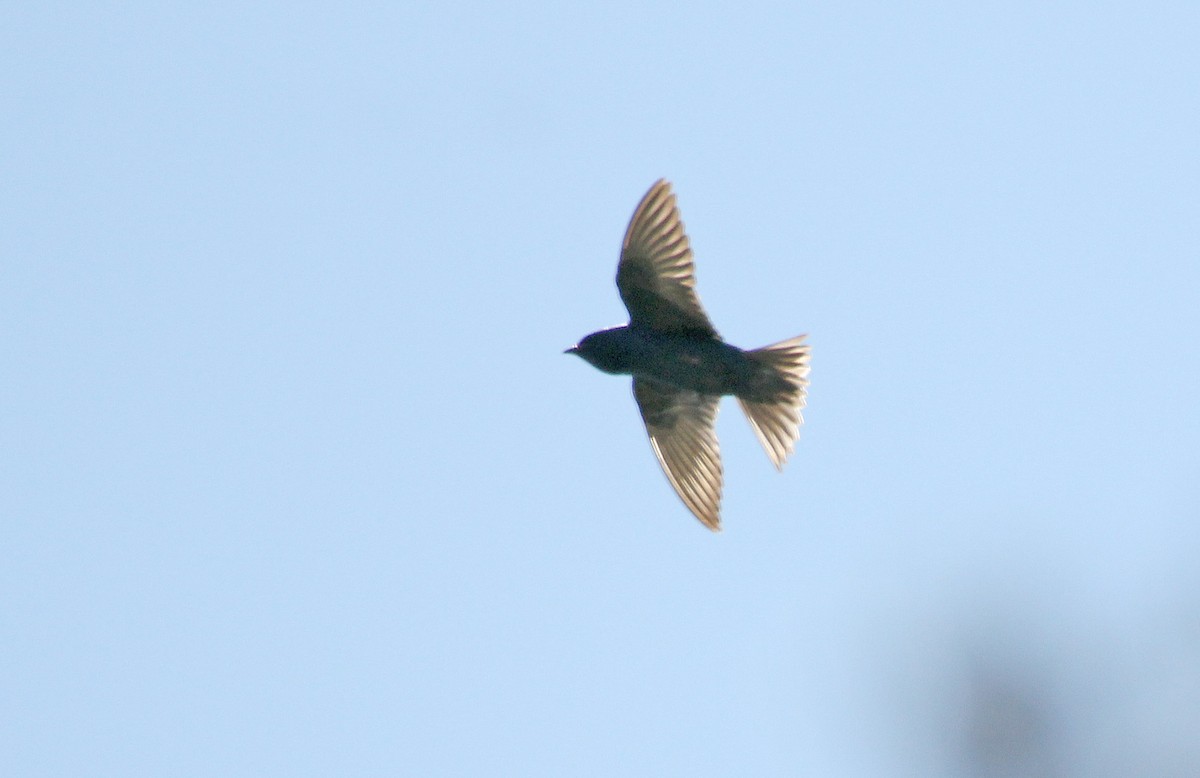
296,479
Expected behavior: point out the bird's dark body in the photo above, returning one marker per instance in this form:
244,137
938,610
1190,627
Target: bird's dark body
680,366
691,362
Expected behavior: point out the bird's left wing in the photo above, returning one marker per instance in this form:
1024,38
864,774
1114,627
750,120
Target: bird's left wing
656,276
680,425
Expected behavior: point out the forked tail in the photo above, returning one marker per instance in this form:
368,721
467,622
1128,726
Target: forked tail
776,420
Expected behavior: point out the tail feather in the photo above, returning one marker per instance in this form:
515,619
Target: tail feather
777,421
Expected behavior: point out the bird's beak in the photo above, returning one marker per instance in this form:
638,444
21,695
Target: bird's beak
572,350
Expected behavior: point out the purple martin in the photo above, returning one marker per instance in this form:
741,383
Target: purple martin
680,366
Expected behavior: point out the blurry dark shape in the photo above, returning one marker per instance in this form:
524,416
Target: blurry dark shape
1034,689
1009,726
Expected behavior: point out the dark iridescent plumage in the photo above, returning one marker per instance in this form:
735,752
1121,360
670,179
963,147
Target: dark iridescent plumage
680,366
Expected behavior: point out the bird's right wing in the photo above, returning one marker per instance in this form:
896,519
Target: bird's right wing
656,276
680,425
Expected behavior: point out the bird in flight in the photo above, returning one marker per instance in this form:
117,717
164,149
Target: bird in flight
680,366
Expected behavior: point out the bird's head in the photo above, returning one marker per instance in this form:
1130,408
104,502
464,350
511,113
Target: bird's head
603,350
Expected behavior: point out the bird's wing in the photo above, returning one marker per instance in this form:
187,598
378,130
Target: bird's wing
680,424
656,277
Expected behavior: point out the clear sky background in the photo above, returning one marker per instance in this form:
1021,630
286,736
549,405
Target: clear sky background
297,481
